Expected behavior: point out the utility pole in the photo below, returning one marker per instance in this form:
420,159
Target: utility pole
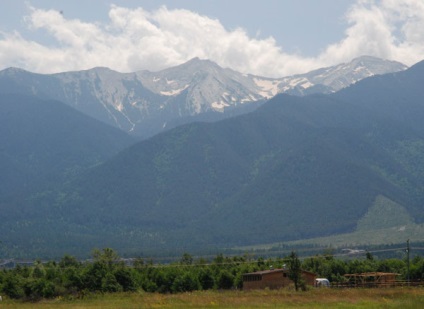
407,260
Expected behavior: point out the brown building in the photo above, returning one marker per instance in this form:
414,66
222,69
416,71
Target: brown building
273,279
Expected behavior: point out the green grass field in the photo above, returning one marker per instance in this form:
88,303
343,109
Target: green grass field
314,298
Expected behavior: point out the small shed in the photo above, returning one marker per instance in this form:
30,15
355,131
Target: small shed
273,279
370,279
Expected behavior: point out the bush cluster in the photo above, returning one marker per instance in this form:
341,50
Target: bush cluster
107,273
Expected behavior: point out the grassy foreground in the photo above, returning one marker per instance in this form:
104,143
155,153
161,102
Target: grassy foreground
315,298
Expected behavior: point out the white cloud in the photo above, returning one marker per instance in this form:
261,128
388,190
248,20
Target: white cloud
391,29
135,39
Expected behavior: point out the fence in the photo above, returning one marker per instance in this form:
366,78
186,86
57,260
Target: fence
397,283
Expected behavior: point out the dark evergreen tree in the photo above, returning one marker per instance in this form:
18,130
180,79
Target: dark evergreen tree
295,271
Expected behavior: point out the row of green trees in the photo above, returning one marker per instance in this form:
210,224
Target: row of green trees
108,273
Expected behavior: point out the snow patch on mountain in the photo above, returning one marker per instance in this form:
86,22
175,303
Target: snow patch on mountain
268,88
174,91
119,107
219,106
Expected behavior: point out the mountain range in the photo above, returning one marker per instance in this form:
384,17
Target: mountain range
145,103
296,167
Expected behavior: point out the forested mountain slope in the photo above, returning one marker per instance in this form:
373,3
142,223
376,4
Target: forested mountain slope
45,142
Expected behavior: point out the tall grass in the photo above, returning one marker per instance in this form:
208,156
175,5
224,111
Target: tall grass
315,298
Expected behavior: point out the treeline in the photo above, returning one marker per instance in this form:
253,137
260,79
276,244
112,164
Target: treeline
107,273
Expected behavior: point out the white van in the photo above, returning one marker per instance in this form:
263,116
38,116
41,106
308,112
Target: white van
322,282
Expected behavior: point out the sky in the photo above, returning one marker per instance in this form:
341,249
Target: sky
273,38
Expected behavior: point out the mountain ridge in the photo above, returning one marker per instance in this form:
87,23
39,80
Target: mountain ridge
145,103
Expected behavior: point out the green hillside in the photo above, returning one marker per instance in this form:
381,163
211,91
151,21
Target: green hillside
385,223
384,213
